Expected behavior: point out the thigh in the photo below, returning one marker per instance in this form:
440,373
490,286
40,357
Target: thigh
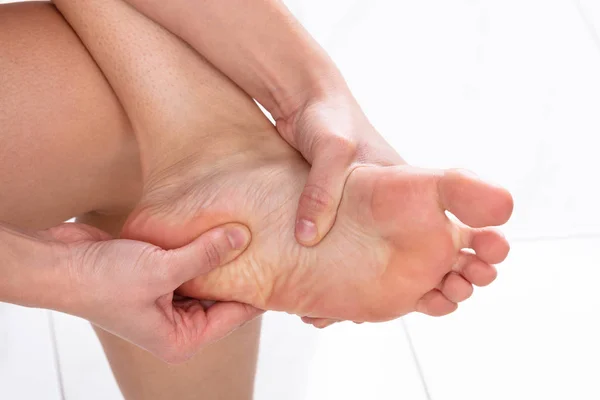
66,145
66,149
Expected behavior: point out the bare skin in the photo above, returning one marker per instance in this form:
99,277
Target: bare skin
56,111
262,48
67,149
392,250
178,384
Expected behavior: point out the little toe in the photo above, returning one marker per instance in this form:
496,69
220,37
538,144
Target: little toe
456,288
434,303
474,270
473,201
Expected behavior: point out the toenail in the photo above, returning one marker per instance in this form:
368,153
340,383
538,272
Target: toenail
306,230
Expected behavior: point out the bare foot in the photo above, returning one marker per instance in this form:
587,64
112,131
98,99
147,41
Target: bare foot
392,250
209,156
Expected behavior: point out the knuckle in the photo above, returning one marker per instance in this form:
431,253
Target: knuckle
316,199
342,148
157,260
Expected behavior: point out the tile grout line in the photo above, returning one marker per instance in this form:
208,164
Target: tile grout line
588,24
55,354
413,351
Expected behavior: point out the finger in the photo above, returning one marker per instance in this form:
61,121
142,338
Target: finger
223,318
194,327
322,194
213,249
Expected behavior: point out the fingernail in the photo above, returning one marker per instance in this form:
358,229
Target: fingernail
306,230
237,238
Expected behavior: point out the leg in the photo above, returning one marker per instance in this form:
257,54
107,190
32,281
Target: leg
392,250
56,112
225,370
66,149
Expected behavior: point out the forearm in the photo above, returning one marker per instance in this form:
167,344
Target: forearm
148,75
30,270
66,148
258,44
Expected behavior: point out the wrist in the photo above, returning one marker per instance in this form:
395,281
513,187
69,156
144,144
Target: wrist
318,82
33,269
330,107
58,281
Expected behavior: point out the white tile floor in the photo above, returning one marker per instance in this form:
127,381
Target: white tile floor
532,335
28,368
508,88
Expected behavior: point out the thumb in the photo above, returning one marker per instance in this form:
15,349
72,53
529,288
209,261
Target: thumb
321,197
213,249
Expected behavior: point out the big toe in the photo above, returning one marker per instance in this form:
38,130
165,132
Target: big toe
474,201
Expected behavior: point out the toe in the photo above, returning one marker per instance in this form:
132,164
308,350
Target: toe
456,288
490,245
319,323
434,303
473,201
475,270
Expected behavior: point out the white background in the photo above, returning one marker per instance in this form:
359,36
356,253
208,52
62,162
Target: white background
507,88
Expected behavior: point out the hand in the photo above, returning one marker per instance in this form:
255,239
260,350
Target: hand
126,287
334,136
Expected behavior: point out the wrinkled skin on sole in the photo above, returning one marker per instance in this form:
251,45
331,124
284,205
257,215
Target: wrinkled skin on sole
388,253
